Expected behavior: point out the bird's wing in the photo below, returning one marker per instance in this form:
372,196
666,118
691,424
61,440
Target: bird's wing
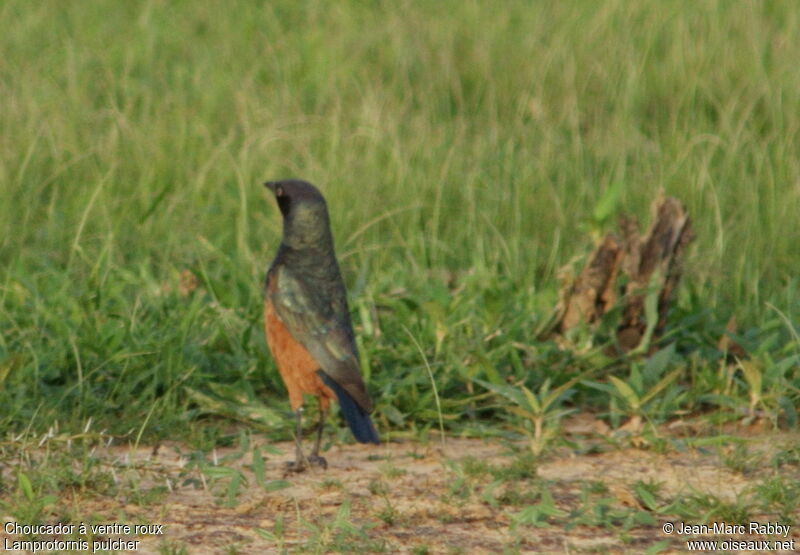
322,326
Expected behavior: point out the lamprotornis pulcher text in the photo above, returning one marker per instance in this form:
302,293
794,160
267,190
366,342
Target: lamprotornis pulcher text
307,321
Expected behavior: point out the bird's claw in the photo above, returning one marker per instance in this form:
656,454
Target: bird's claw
295,466
316,460
301,466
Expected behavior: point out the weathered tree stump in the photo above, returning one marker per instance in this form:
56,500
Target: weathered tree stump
593,293
650,265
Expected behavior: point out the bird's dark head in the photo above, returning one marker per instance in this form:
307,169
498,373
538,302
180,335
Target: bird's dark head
305,214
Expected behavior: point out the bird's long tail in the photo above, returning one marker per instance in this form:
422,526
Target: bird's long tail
357,418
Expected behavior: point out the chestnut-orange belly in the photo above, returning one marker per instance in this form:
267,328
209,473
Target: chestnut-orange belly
295,364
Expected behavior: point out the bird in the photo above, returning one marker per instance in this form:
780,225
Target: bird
307,320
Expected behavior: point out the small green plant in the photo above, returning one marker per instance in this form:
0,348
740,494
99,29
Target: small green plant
740,459
540,411
789,455
387,514
523,467
769,389
378,487
540,514
331,484
706,507
259,473
342,535
517,495
172,548
598,508
778,495
647,493
278,534
145,496
647,394
29,506
473,467
391,471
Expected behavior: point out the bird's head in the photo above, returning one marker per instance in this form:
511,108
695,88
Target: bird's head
305,214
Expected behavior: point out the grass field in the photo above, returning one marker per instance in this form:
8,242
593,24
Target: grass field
465,152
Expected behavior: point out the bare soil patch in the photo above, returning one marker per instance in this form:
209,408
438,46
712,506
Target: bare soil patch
404,496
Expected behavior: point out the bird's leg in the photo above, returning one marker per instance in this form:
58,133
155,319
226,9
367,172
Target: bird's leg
300,462
314,457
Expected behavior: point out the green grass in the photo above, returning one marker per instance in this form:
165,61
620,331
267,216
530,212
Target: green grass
462,149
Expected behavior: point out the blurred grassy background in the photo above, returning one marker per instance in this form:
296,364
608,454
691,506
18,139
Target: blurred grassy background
462,149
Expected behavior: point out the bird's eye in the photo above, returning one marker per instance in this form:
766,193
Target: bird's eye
279,191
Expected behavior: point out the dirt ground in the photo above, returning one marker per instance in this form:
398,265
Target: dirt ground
400,497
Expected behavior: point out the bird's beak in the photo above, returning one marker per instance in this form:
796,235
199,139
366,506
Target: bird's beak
270,185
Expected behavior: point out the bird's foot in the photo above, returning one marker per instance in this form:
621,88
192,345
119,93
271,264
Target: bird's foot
296,466
303,465
316,460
